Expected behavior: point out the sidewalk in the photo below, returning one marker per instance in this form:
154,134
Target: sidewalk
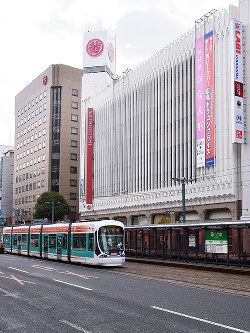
191,265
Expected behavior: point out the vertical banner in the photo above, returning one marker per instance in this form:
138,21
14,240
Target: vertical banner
89,157
237,84
209,100
199,88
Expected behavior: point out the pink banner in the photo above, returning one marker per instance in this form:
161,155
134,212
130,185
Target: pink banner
200,119
209,105
89,157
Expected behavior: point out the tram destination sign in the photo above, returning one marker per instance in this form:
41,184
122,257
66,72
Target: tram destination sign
216,241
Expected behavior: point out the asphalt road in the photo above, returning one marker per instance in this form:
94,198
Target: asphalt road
46,296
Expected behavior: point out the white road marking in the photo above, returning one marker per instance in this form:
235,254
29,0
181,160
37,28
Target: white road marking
7,293
74,285
74,326
199,319
20,270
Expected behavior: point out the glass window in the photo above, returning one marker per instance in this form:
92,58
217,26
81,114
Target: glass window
72,196
73,182
79,242
34,240
44,93
111,238
15,240
74,92
74,130
73,169
36,100
73,157
74,105
91,242
52,241
74,117
64,242
7,239
73,209
24,240
73,143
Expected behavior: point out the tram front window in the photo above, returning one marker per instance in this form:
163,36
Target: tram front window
111,239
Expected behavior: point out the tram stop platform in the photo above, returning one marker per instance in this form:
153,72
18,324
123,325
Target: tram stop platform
192,265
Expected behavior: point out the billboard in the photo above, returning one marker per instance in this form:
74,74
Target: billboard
209,99
99,52
216,241
200,119
237,82
89,157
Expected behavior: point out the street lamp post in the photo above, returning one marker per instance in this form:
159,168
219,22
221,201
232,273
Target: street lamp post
53,204
183,181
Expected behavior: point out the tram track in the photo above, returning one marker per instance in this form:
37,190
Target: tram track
222,282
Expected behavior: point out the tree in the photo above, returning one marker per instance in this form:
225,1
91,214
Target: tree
49,202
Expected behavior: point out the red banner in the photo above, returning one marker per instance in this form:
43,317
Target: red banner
89,157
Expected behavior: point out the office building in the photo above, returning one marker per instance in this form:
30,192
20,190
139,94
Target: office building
47,148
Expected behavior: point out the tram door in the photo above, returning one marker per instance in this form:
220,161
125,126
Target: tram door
19,242
46,245
59,247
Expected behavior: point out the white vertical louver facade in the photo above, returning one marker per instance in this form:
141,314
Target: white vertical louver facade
145,133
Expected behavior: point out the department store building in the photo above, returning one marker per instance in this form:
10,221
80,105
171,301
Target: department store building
180,117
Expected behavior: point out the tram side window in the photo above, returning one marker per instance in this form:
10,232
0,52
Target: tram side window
79,242
64,242
15,240
34,240
52,241
91,242
24,240
7,239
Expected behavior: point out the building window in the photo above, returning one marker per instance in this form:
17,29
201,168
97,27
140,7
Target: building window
74,105
74,143
74,117
44,93
73,169
72,196
34,186
74,130
73,157
74,92
73,182
42,183
73,209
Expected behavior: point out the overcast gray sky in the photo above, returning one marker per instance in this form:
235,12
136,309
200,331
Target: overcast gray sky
37,33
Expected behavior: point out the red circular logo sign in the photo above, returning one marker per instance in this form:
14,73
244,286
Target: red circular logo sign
111,52
89,207
45,78
94,47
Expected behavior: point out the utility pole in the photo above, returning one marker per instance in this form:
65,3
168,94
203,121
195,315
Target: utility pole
53,204
183,181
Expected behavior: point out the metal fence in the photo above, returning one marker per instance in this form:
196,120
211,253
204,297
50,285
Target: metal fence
221,243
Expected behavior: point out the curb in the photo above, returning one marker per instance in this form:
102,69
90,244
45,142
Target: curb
222,269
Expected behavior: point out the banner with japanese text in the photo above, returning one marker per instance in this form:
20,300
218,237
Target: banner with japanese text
209,99
89,157
237,84
200,119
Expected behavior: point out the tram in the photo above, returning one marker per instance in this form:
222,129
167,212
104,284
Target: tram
93,242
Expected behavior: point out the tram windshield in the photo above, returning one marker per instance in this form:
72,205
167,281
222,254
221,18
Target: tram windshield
111,239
